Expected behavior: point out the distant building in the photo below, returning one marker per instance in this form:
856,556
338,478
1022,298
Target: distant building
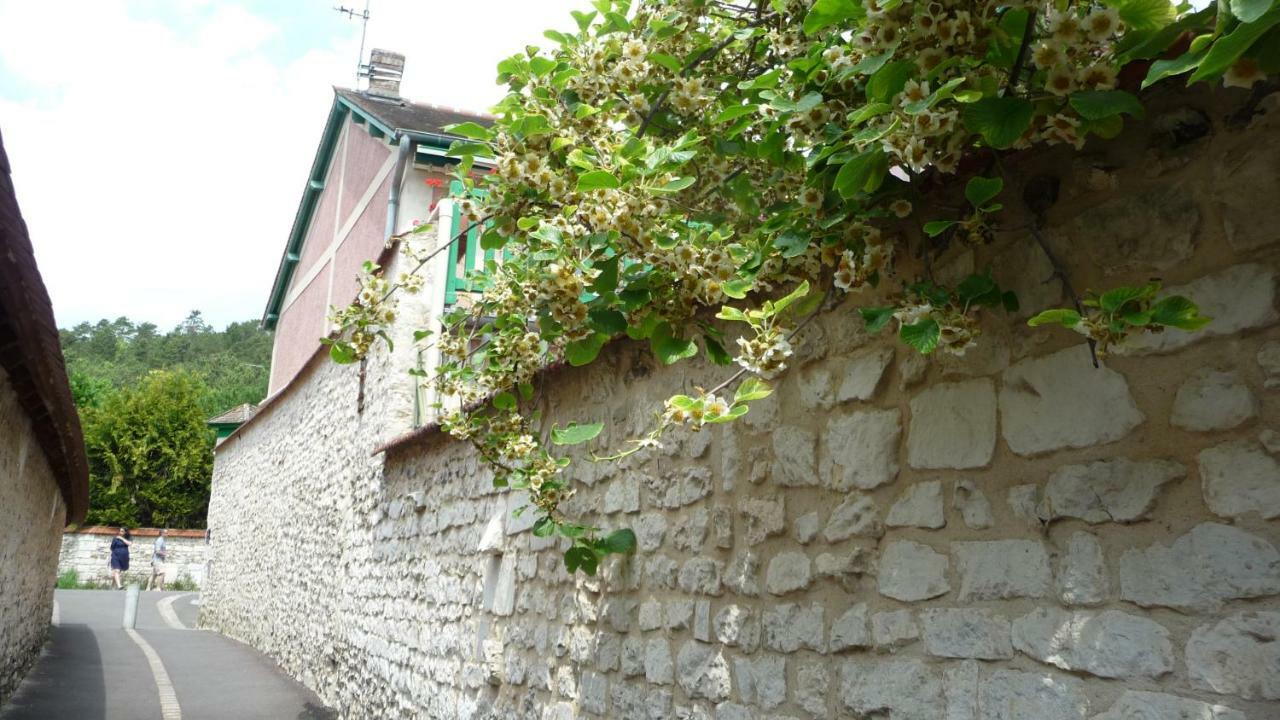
227,422
44,476
381,165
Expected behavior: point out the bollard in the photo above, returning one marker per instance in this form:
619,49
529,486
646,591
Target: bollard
131,606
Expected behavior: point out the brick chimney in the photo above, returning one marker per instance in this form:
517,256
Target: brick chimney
384,71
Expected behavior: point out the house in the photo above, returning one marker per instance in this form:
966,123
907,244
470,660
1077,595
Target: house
227,422
44,476
381,167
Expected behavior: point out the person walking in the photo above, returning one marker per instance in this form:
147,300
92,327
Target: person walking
120,555
159,552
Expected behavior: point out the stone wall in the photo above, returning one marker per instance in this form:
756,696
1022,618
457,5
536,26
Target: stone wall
32,513
1008,535
88,552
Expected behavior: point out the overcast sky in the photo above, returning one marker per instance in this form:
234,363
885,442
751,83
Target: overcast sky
159,147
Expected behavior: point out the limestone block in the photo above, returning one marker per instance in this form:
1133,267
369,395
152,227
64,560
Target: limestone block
764,516
742,458
812,685
966,633
702,620
504,591
1238,298
617,612
1109,644
795,456
910,572
856,516
1237,656
722,526
632,661
701,576
1119,490
1082,575
860,375
975,509
1002,569
493,537
682,487
860,449
844,567
920,505
1213,400
690,531
733,711
622,495
1012,695
679,614
788,572
703,671
1246,182
608,652
1024,501
660,571
789,627
893,629
651,615
960,683
1152,230
1208,565
1269,361
742,574
762,681
658,668
738,626
1239,478
900,689
814,388
594,693
1043,406
911,369
1139,705
850,629
650,529
806,527
953,425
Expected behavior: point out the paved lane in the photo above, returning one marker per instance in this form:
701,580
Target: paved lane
93,670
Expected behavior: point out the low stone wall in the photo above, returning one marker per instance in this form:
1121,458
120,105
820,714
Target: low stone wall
32,514
1009,535
87,550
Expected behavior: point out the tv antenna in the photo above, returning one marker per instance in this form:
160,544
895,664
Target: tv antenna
352,14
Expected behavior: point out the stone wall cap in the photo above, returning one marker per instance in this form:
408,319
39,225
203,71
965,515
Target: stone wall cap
137,532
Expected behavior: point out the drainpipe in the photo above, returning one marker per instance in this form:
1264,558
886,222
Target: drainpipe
405,150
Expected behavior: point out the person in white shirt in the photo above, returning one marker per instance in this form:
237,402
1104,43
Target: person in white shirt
158,554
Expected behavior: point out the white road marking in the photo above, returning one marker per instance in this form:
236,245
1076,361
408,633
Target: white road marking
57,614
169,708
165,606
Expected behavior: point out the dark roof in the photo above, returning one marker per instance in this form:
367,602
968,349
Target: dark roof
31,354
235,416
406,115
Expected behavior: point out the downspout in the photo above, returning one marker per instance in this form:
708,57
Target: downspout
405,150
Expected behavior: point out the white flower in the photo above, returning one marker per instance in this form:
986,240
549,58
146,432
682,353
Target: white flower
1101,23
1243,73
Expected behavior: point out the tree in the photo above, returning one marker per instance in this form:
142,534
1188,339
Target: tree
150,453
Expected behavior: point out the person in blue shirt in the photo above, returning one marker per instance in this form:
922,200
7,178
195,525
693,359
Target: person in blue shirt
120,555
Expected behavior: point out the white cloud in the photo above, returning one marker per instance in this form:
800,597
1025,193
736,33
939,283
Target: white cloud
159,162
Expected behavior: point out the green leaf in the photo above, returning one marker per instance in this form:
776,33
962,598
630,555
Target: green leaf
734,413
753,388
572,530
979,190
580,558
826,13
1227,49
674,186
781,303
934,228
942,93
504,401
472,130
607,321
737,289
598,180
667,347
876,317
1058,316
734,112
888,80
1161,69
1146,14
1098,104
544,527
728,312
1113,300
999,120
1248,11
716,351
582,352
619,541
1179,312
922,335
575,434
859,172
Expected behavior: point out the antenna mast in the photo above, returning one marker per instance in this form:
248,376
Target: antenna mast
352,14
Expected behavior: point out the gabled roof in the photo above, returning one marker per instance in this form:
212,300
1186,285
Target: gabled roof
31,355
237,415
383,118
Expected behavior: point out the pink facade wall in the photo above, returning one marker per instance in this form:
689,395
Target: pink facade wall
365,156
320,233
364,242
299,330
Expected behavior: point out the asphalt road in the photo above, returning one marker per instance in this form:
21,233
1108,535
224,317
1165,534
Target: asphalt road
92,669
